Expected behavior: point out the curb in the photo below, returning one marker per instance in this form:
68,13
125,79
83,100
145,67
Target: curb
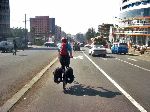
15,98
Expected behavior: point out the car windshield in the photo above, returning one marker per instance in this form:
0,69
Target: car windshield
98,46
123,44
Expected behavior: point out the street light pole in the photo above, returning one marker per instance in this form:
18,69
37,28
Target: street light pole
25,32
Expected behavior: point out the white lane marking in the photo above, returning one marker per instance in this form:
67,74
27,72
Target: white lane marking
133,65
104,59
78,57
132,59
135,103
12,101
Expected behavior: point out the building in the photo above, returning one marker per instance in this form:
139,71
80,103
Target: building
4,19
104,30
135,20
52,25
42,27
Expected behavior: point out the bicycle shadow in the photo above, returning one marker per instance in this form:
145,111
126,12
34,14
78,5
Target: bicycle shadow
82,90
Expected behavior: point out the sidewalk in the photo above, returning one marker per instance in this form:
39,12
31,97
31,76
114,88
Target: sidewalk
136,54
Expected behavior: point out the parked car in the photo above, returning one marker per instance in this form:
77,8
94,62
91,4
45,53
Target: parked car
58,44
30,43
119,48
87,45
81,44
6,46
99,50
49,44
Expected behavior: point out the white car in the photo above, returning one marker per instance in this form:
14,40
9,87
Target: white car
87,45
97,50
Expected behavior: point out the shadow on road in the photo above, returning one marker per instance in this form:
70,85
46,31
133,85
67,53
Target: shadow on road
23,55
81,90
107,56
132,55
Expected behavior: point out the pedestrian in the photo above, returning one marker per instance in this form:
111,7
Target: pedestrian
15,47
135,47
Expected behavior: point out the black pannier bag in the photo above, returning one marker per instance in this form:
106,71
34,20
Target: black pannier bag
69,75
57,75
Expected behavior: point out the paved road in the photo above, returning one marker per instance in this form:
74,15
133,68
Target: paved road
91,90
16,71
131,73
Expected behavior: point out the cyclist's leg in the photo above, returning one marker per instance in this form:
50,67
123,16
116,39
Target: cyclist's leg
61,59
63,65
15,51
61,62
67,61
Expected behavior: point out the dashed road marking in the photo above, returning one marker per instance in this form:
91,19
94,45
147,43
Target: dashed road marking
135,103
104,59
132,59
78,57
133,65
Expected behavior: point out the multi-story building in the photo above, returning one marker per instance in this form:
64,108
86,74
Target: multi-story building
4,19
104,30
42,26
52,25
135,19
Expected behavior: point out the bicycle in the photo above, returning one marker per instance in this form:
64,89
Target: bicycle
64,77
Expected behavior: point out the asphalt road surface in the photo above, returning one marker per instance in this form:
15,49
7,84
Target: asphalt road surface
16,71
117,83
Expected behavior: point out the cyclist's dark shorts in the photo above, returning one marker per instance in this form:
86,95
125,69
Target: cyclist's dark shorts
64,60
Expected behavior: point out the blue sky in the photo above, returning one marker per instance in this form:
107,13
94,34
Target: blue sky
73,16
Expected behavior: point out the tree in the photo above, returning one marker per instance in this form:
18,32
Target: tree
90,33
17,32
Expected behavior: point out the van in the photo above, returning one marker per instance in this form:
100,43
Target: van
119,48
6,46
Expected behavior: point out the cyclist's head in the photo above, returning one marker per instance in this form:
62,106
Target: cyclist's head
63,40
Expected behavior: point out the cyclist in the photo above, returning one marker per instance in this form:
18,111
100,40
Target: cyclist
65,52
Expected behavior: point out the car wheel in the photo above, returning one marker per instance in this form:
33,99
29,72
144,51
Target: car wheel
92,54
6,50
11,50
104,55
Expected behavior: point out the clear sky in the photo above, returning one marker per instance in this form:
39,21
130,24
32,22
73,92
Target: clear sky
73,16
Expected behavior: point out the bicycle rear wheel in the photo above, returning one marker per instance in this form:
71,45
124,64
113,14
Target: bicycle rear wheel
64,82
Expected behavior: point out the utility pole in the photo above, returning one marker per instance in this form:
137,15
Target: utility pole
25,31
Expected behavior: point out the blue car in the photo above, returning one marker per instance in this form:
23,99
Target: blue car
118,48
